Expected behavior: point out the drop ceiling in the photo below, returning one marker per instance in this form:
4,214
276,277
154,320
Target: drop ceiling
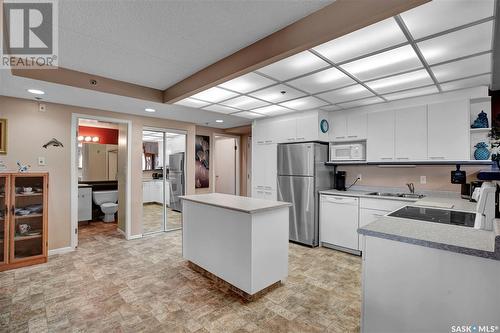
439,46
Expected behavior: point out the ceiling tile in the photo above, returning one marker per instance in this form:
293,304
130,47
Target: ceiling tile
214,95
294,66
330,108
482,80
272,110
385,63
346,94
248,82
248,114
327,79
375,37
191,102
274,94
412,93
400,82
361,102
305,103
463,68
220,109
440,15
458,44
244,103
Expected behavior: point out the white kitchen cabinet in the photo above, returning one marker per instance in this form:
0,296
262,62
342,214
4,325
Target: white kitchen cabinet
448,131
84,203
410,143
264,131
380,137
338,219
356,126
152,191
307,126
264,168
338,126
260,193
285,129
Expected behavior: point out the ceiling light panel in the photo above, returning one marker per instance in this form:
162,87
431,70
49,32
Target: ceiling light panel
414,79
440,15
330,108
248,115
248,82
275,94
362,102
273,110
244,103
220,109
412,93
463,68
191,102
385,63
482,80
214,95
296,65
370,39
327,79
458,44
346,94
305,103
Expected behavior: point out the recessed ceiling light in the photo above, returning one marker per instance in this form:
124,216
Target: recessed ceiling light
149,110
219,121
36,91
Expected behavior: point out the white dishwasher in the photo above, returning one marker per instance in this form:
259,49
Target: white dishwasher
339,220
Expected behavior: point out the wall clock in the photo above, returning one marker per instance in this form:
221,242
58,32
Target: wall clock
324,126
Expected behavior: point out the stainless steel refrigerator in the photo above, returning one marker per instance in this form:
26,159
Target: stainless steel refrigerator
176,179
301,174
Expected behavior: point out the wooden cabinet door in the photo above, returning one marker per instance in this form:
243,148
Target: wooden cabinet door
448,131
28,225
380,137
411,134
4,220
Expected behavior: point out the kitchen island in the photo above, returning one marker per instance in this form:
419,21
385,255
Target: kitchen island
239,240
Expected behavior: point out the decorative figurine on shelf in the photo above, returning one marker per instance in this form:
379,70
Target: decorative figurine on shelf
481,152
22,168
481,121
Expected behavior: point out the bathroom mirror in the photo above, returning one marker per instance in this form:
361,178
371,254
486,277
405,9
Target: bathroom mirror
98,162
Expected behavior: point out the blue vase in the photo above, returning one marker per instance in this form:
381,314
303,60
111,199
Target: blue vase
481,152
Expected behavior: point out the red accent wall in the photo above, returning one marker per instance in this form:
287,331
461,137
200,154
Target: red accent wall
495,105
106,135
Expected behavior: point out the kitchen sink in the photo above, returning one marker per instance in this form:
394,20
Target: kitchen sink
398,195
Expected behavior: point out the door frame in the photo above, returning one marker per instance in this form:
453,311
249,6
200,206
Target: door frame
165,131
75,117
238,166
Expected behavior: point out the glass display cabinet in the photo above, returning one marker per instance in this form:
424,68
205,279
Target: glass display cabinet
23,213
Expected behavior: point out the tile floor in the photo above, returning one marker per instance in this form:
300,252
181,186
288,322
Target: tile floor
144,285
152,217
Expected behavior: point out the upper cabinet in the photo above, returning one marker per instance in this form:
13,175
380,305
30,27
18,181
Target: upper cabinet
448,130
410,138
347,126
380,138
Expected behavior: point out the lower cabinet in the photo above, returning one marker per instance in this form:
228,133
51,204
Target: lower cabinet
85,204
338,218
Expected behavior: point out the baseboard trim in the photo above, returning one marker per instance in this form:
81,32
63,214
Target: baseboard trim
125,235
61,250
135,236
122,232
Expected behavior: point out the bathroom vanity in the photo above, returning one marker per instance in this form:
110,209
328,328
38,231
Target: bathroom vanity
23,219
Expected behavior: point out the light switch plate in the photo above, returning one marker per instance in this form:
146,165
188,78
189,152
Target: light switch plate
423,179
42,107
42,161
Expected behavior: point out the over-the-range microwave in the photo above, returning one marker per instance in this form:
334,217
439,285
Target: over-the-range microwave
347,152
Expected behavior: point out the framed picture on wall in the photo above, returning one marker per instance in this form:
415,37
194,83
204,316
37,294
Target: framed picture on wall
3,136
202,161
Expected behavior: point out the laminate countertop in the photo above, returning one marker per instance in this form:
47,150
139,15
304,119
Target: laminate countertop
234,202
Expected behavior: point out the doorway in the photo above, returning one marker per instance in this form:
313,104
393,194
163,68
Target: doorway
163,174
226,161
100,177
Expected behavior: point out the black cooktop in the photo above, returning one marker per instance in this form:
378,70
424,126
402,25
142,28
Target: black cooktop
445,216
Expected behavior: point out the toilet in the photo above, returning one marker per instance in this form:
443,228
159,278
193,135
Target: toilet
107,200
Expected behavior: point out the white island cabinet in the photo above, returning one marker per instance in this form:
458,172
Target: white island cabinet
241,240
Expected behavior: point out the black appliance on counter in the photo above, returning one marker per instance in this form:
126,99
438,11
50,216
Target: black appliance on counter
340,180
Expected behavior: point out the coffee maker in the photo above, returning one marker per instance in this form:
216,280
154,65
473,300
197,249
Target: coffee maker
340,180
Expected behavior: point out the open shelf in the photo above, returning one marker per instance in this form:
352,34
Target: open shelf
29,195
20,217
22,238
480,129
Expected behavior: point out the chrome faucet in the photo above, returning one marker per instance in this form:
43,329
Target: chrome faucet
411,187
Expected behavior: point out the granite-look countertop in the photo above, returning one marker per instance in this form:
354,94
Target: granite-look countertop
234,202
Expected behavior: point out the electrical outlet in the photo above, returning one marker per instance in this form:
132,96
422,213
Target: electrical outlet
42,161
360,177
423,179
42,107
